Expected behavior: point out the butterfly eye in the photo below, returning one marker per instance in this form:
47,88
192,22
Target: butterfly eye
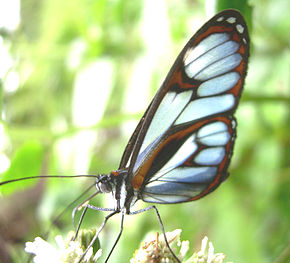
104,184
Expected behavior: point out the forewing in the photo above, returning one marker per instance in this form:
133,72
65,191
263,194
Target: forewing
184,142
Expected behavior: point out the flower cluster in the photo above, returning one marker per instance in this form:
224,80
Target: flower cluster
153,249
64,250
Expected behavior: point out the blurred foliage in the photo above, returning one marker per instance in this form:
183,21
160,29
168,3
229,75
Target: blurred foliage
247,217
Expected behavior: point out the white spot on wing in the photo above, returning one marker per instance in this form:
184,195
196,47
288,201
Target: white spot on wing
240,28
231,20
234,124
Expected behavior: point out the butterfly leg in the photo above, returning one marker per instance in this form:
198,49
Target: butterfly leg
77,208
118,237
88,206
161,226
99,230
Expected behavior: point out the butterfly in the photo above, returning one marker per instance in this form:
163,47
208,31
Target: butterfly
181,149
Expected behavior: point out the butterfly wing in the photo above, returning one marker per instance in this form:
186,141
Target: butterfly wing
181,149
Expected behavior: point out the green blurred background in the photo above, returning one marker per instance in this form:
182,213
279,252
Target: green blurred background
76,77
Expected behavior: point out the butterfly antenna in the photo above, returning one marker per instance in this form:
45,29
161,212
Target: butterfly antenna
45,176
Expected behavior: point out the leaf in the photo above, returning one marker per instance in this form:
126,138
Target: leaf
26,162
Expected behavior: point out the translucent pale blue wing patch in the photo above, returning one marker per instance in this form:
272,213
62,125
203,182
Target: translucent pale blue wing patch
205,107
218,85
164,192
169,109
209,58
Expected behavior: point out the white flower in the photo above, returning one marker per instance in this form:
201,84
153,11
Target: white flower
206,254
154,248
43,251
64,251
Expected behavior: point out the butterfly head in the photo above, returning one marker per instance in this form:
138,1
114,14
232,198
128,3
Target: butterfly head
105,183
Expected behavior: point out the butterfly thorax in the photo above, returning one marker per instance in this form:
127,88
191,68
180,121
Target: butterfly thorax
117,183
